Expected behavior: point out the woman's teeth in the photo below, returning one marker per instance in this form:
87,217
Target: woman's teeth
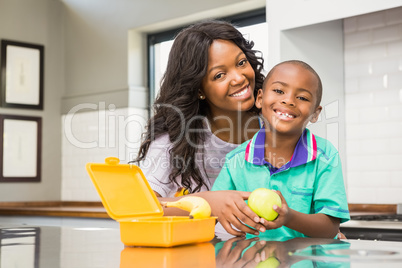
285,114
241,93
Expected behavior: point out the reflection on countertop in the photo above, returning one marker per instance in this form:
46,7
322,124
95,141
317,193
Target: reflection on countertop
308,252
51,246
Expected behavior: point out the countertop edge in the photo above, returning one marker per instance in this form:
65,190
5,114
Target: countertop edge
95,209
80,209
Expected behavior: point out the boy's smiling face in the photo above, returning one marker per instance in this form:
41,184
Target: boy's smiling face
289,99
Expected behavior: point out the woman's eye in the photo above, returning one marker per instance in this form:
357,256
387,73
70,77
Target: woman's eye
218,76
243,62
278,91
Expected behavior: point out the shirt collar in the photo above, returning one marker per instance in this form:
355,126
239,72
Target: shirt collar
305,150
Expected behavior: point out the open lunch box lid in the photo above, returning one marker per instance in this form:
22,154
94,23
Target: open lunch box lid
124,190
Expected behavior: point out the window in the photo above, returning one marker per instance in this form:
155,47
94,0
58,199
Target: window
252,24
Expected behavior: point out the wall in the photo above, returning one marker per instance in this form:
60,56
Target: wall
105,103
321,46
40,22
291,14
92,136
373,96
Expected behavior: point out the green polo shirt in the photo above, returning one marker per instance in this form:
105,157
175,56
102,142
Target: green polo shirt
311,182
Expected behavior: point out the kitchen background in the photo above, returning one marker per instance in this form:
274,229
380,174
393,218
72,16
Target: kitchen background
96,82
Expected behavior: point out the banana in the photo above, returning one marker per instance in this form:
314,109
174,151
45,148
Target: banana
180,192
197,206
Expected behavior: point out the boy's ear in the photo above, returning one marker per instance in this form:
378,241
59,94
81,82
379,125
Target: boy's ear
258,100
315,115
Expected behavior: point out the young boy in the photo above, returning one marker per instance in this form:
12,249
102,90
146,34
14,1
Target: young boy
304,169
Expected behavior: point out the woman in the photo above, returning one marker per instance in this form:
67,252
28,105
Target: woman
204,110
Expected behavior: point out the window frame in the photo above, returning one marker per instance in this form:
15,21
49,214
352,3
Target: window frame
239,20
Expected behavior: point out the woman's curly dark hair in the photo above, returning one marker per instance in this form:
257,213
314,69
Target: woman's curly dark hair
178,108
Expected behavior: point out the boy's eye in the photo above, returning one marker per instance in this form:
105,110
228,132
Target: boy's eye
302,98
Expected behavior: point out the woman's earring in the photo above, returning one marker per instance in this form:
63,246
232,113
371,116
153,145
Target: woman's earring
201,97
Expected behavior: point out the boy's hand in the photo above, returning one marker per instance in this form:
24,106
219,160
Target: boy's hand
283,215
313,225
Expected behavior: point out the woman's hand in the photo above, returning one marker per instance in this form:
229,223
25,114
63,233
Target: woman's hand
233,212
230,255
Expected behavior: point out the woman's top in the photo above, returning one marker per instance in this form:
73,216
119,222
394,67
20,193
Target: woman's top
210,159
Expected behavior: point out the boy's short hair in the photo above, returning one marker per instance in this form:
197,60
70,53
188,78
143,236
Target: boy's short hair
306,67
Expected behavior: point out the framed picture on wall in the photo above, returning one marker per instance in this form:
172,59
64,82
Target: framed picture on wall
22,68
20,152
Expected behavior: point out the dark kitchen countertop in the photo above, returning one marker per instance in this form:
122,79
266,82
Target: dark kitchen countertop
63,246
50,246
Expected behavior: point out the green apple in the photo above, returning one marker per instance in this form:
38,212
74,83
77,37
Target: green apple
271,262
261,201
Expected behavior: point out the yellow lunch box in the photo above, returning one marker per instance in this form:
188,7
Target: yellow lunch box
128,199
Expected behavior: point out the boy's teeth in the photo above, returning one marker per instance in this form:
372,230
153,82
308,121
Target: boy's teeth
285,114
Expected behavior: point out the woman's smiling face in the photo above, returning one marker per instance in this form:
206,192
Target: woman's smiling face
289,99
228,85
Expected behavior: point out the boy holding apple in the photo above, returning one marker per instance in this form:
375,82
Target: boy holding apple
304,169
